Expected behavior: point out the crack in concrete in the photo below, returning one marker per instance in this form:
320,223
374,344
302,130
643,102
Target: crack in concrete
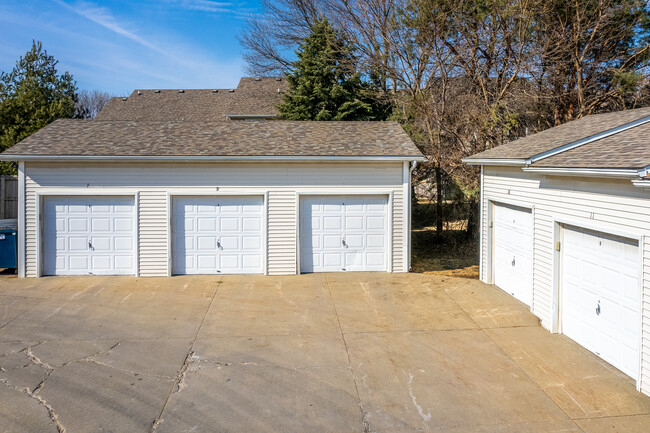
180,383
49,369
33,394
182,372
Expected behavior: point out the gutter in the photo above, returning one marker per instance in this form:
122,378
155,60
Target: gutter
622,173
495,161
642,183
208,158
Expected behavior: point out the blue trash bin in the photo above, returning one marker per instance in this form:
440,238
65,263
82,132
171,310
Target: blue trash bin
8,248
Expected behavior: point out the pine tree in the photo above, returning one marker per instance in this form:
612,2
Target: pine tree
32,95
324,83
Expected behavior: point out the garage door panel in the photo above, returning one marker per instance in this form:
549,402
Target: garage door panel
251,243
123,225
600,295
219,231
251,224
332,223
338,233
332,241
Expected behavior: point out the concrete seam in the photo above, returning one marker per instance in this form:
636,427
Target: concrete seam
179,378
364,416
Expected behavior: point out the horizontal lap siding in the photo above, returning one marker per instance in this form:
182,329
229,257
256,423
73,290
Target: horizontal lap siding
152,235
154,181
282,232
615,205
30,228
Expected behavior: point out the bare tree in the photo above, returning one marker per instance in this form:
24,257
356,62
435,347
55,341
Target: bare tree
90,102
592,55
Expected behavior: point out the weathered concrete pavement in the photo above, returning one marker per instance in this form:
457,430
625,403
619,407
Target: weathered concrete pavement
319,353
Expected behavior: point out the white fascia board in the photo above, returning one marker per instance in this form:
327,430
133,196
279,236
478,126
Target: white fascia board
587,140
585,172
641,183
495,161
207,158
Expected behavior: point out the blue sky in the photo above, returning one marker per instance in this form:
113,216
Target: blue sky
118,46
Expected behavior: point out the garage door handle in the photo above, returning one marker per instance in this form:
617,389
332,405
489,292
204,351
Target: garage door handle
598,309
513,261
343,243
90,246
219,244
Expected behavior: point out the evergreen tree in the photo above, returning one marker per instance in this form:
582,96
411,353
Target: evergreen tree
32,95
324,83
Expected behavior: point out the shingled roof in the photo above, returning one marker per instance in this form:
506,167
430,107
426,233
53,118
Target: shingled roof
622,149
626,149
90,138
253,97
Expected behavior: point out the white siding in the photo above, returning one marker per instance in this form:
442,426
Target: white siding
614,205
153,182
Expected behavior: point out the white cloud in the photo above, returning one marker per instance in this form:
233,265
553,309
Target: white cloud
105,51
104,17
207,5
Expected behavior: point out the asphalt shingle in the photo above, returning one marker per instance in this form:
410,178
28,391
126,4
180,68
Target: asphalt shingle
72,137
576,130
253,96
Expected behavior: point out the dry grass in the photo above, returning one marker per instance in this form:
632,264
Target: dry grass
450,254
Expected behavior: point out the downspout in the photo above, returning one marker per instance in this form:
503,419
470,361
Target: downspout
410,207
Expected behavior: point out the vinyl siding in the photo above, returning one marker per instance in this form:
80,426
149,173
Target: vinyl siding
154,182
607,205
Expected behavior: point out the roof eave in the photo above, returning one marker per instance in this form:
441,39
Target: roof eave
495,161
195,158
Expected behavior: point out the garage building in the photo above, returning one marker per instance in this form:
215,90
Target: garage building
565,228
205,182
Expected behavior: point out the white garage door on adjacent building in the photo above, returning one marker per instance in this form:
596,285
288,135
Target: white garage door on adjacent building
343,233
89,235
600,307
217,235
513,251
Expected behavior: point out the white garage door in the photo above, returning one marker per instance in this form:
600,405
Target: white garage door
513,251
217,235
343,233
88,235
600,295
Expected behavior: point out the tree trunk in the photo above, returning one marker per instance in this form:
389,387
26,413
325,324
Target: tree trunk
473,218
439,193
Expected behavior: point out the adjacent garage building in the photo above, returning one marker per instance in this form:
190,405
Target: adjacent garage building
565,228
206,182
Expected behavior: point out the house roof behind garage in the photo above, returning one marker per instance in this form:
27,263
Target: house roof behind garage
91,138
253,96
629,143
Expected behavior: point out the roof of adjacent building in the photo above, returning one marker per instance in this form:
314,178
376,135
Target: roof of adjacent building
608,144
90,138
626,149
253,97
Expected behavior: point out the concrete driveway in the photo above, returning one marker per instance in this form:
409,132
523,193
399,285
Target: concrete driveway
312,353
